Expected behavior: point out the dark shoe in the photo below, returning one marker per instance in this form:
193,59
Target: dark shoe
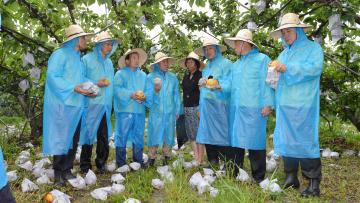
166,160
84,171
101,170
313,189
58,179
67,175
151,162
291,180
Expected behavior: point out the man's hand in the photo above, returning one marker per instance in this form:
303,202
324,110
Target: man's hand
103,83
79,90
266,111
280,68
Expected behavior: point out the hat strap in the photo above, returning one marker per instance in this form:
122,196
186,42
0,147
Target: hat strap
75,34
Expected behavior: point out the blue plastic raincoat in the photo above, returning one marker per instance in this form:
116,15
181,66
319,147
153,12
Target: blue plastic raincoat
298,99
63,107
96,68
3,176
214,104
163,106
249,94
129,113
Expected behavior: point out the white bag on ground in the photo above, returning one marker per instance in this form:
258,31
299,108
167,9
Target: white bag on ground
44,179
78,182
135,166
38,172
42,163
168,176
60,197
334,154
188,165
326,153
132,200
90,178
213,191
111,166
242,176
195,179
123,169
99,194
28,166
271,186
162,170
117,178
145,158
157,184
28,186
270,164
202,186
117,188
208,171
12,176
50,173
209,178
348,153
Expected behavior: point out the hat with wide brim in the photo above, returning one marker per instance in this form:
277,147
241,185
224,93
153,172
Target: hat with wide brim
160,57
243,35
289,20
192,55
104,37
142,57
74,31
209,41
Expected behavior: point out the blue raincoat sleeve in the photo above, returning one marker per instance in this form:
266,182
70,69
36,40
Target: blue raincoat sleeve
55,76
266,91
123,95
309,68
3,176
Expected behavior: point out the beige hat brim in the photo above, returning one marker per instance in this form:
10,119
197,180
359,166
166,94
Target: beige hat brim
79,35
276,34
199,51
183,60
231,41
142,57
171,61
108,39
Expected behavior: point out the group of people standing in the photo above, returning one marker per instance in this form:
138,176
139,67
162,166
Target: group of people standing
226,104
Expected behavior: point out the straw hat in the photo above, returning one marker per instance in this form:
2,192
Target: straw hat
103,37
243,35
289,20
194,56
160,57
209,41
142,57
74,31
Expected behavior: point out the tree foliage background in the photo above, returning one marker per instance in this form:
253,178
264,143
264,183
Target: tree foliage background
37,27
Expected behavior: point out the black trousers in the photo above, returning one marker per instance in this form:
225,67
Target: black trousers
310,168
66,162
215,153
102,148
257,162
6,195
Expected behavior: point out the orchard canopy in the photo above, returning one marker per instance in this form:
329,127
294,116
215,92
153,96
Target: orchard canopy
32,29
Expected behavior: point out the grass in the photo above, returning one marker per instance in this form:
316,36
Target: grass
340,180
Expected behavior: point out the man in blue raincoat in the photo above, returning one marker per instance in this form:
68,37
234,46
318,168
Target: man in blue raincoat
296,136
64,103
163,100
214,102
97,116
250,104
129,87
5,192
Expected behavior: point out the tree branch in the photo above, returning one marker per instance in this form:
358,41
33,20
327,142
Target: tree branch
34,12
70,6
32,41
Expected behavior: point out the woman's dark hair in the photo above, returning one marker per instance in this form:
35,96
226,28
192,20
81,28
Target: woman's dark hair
127,57
197,63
